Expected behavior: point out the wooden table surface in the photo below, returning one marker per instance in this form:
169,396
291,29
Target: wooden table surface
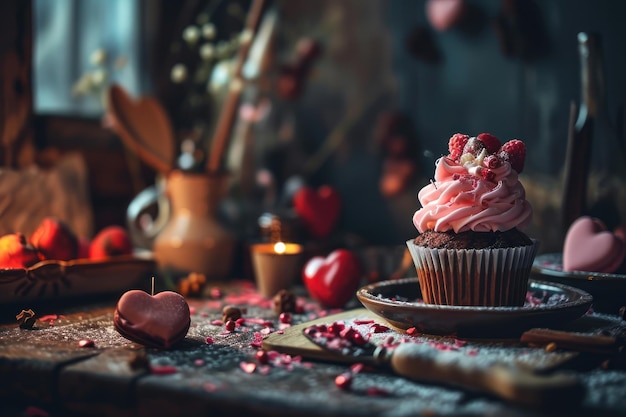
44,371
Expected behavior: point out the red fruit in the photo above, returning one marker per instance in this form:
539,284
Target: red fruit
83,248
492,143
319,210
333,280
456,144
17,252
514,151
473,146
54,239
110,241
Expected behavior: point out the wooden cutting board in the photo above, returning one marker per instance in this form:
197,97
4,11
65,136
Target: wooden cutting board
294,342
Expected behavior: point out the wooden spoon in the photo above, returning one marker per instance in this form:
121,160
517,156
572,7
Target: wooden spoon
144,127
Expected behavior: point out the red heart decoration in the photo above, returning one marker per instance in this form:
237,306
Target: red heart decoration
319,210
333,280
444,14
589,246
159,321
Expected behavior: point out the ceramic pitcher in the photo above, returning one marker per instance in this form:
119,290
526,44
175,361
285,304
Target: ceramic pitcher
193,239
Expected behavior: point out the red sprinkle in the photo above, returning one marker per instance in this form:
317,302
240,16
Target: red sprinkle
344,381
285,318
209,340
163,369
377,392
378,328
262,357
230,325
412,331
86,343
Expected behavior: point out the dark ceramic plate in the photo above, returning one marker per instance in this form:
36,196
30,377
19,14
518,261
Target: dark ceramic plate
608,290
398,303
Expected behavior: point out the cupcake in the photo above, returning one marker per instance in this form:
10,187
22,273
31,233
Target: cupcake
470,250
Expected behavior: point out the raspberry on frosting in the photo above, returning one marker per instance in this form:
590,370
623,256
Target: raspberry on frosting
514,151
457,144
491,142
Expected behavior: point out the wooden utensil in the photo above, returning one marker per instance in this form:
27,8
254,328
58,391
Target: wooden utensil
144,127
422,362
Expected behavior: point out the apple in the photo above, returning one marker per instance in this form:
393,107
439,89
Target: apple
333,280
110,241
54,239
17,252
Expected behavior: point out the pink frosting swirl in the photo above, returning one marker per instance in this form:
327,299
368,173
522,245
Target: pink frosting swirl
460,199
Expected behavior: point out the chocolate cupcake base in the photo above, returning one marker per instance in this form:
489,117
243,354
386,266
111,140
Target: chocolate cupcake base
473,277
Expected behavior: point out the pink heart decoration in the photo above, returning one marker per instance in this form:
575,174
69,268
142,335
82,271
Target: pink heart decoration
333,280
159,321
589,246
444,14
319,210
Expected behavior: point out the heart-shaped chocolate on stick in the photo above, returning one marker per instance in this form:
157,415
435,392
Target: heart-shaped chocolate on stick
589,246
159,320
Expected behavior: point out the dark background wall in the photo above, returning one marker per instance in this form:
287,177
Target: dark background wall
474,87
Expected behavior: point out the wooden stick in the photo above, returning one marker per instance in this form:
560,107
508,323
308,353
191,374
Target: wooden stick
579,342
229,112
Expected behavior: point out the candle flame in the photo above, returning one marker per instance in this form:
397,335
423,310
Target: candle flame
279,247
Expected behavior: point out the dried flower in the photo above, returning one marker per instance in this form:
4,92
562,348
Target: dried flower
98,57
179,73
207,51
208,31
191,34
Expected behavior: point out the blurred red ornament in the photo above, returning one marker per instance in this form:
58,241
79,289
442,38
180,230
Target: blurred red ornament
318,209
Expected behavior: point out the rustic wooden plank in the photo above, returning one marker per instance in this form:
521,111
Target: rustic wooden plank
105,382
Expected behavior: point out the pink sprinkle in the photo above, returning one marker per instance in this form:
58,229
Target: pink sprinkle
256,344
198,362
266,330
217,322
216,292
259,321
459,343
363,321
356,368
377,392
472,352
209,340
204,314
343,381
240,321
210,387
32,411
163,369
248,367
264,369
280,331
412,331
192,310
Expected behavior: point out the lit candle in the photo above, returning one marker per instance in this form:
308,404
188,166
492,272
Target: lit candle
276,265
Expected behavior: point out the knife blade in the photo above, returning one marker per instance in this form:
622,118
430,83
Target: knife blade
424,363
